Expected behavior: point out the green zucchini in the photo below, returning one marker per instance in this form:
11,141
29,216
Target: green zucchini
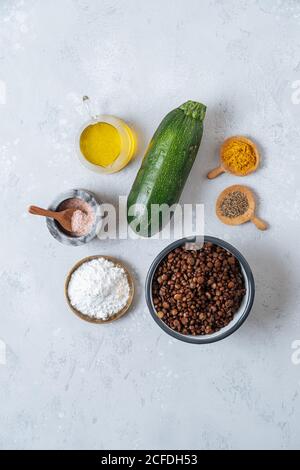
166,165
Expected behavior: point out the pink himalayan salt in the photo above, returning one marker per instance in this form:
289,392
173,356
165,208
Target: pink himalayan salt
83,217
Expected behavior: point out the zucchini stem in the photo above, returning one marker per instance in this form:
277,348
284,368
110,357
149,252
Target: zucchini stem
194,109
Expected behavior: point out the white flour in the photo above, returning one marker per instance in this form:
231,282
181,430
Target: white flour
99,288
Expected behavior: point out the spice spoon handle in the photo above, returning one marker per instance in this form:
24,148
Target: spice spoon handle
259,223
215,172
63,217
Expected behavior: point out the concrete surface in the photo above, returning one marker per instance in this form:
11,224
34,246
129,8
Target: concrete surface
69,384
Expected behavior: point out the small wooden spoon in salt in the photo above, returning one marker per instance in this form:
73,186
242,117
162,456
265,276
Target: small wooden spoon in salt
64,218
249,215
223,167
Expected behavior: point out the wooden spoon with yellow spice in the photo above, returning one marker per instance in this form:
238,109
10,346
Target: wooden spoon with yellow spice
64,218
238,155
236,205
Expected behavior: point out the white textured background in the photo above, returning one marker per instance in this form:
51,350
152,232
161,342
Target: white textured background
68,384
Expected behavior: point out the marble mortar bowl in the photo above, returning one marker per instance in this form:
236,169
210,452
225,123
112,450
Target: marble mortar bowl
63,237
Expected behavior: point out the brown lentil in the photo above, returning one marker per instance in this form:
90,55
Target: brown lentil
234,204
207,292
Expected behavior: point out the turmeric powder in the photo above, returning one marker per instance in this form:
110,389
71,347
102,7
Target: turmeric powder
239,156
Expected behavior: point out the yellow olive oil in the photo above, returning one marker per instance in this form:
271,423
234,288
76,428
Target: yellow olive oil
100,143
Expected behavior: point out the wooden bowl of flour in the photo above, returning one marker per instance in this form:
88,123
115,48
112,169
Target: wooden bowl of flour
117,315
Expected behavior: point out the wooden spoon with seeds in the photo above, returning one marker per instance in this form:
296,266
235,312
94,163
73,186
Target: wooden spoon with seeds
248,215
64,218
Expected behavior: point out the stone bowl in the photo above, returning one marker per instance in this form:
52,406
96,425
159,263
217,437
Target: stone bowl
240,316
59,233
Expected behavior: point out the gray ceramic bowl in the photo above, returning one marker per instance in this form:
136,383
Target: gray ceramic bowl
239,317
59,234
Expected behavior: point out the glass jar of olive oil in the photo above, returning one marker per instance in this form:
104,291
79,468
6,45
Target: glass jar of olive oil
106,144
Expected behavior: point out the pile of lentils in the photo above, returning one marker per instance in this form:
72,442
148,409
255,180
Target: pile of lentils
198,292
